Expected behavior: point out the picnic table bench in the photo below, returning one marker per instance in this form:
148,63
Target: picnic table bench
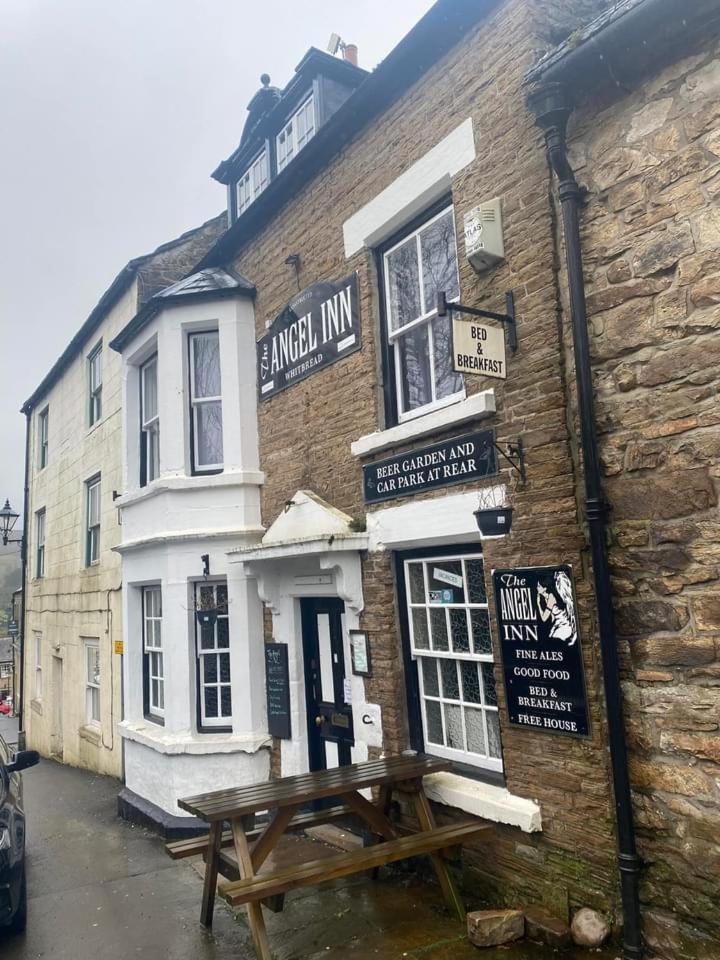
283,800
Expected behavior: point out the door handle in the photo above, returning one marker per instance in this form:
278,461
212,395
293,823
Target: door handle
319,721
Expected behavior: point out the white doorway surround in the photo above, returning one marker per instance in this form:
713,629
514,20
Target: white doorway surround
311,551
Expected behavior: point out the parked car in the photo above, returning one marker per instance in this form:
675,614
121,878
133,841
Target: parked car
13,891
6,707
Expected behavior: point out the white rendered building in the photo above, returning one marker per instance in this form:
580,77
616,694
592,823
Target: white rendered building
192,482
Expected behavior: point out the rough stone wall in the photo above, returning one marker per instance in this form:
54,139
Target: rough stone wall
306,431
651,246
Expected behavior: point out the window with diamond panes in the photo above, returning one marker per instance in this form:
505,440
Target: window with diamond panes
213,652
449,626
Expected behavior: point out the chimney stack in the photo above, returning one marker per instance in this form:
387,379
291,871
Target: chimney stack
350,53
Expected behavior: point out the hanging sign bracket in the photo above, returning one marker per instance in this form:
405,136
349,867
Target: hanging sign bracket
515,456
445,307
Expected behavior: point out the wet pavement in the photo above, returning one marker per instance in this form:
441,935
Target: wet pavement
102,888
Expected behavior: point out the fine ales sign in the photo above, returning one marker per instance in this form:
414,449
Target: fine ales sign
453,461
320,325
478,348
541,654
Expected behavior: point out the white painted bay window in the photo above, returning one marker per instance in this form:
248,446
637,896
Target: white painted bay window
213,657
153,666
449,629
415,268
206,402
92,681
252,183
149,423
40,543
92,521
94,367
299,129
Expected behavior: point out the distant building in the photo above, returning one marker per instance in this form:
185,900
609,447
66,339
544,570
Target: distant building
73,629
7,667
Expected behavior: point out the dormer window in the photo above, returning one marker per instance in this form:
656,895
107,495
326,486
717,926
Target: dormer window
296,133
252,183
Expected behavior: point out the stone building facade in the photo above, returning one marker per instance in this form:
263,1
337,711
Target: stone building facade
73,615
649,157
456,136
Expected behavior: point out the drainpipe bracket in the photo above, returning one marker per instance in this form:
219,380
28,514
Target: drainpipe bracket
597,509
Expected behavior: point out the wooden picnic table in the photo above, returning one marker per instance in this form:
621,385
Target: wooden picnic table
283,800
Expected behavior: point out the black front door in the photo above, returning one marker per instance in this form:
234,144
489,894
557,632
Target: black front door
329,717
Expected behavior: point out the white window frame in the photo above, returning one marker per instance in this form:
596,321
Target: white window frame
426,317
288,142
92,530
153,659
149,427
95,384
252,183
92,683
38,690
43,448
40,516
222,720
485,762
197,402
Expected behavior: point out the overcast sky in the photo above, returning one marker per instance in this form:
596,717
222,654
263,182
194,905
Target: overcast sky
113,113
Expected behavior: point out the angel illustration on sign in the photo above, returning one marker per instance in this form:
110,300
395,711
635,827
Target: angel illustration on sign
561,614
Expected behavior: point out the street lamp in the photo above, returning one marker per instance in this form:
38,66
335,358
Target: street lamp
8,519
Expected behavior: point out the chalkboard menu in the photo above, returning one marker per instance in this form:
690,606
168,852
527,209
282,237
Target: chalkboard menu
459,460
540,644
277,686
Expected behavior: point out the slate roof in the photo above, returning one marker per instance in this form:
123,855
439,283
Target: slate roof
210,280
152,275
210,283
619,46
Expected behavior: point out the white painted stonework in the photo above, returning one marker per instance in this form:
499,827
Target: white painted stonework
74,602
426,181
484,800
454,415
310,551
167,526
424,523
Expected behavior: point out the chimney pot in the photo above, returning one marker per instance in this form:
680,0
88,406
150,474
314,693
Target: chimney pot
350,53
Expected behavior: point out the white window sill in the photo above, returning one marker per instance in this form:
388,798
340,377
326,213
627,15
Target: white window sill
91,732
484,800
154,736
478,405
160,485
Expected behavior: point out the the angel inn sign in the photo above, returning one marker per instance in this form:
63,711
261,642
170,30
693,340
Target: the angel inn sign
318,326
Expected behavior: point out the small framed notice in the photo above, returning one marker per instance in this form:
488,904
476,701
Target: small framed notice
360,652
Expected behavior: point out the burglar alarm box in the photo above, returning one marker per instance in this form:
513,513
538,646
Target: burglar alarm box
483,235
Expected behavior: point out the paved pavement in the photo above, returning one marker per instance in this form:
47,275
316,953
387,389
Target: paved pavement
8,729
101,889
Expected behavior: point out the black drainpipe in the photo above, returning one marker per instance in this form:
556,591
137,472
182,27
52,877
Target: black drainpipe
23,598
551,107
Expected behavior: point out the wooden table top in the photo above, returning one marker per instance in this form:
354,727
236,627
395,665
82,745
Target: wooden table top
290,791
